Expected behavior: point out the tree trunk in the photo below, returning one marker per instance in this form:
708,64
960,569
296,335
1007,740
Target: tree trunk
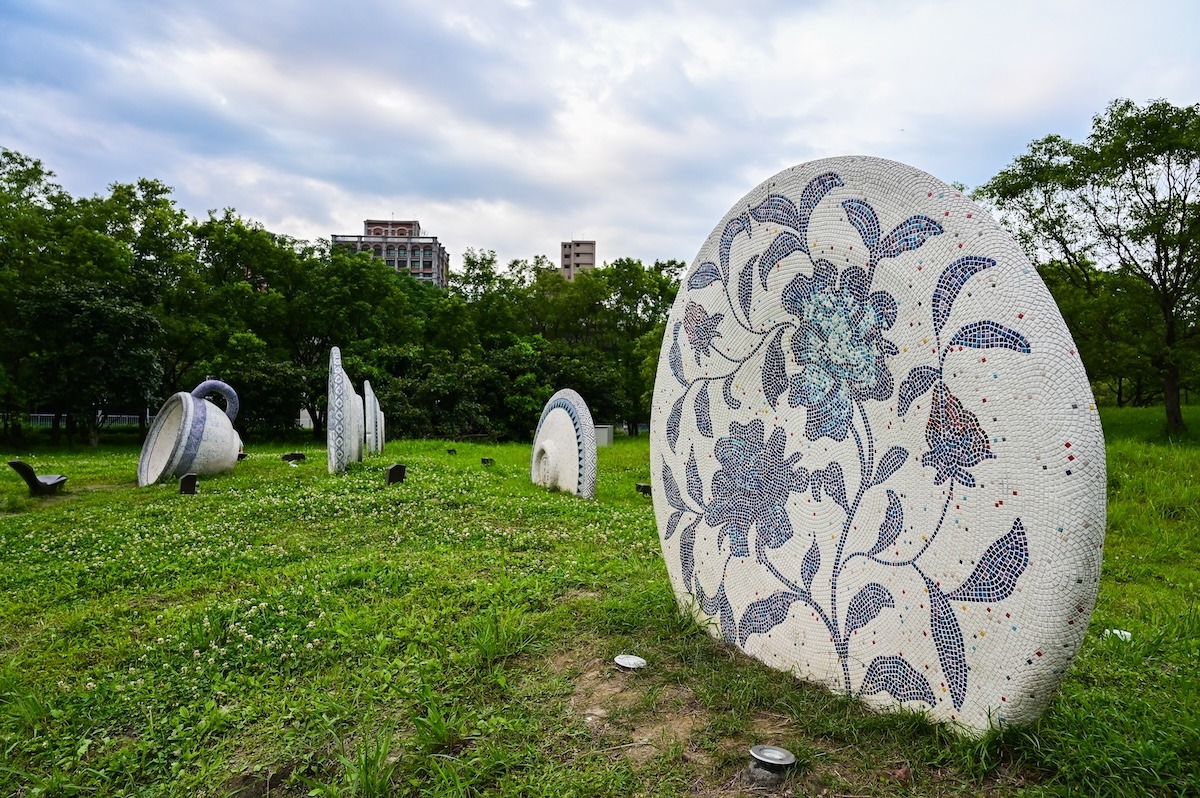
1171,377
1171,393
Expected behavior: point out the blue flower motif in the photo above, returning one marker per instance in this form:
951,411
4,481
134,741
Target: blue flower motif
701,328
956,439
751,488
839,346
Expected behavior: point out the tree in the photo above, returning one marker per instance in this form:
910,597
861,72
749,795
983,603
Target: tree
1126,201
29,202
90,354
1101,308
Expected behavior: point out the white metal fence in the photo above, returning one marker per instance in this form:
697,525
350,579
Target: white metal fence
47,420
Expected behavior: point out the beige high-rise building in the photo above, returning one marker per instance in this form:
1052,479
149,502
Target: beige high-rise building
401,245
577,256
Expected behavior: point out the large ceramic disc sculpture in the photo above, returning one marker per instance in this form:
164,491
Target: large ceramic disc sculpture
190,434
343,435
564,446
876,459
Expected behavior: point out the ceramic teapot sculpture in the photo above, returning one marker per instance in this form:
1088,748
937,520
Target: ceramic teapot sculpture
191,435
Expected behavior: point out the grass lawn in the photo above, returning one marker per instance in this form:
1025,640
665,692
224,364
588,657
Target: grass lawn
285,632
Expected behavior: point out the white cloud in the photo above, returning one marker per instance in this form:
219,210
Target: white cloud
514,126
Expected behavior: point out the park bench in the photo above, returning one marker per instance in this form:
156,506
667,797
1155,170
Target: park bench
44,485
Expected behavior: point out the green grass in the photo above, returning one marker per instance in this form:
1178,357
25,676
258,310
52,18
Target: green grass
287,632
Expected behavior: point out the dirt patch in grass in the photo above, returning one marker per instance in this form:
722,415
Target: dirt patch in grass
672,722
574,594
262,782
600,689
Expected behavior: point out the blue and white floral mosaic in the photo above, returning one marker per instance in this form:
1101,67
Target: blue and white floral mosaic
876,459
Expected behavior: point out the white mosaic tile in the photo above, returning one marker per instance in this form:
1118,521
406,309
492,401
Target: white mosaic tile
876,459
343,432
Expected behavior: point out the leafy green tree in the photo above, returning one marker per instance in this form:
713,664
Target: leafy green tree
1100,309
640,299
29,202
1127,200
494,298
90,354
267,387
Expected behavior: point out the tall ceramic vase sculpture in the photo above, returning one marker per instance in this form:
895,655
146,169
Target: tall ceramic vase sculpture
344,416
191,435
876,459
374,420
564,446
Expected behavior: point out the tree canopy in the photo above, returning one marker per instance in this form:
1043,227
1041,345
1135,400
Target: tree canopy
111,303
1116,222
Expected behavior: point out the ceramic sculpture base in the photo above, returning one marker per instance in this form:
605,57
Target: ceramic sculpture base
564,446
876,459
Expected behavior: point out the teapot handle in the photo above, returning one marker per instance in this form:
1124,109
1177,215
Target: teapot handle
221,389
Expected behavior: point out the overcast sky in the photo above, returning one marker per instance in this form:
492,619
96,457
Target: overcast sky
514,125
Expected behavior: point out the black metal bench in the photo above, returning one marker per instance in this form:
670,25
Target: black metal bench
45,485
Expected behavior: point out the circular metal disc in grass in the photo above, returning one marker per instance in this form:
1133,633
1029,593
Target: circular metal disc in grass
773,756
629,662
876,459
564,446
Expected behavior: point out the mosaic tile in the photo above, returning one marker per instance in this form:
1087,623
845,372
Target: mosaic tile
564,446
876,459
345,418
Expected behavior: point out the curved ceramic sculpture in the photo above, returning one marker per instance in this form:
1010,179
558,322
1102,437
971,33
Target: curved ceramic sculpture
564,446
191,434
359,435
876,459
373,433
340,430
